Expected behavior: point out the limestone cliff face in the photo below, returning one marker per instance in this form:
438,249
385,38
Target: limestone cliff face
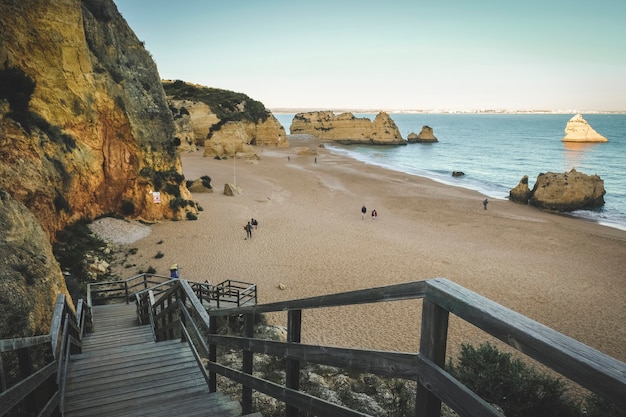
578,130
347,129
184,129
232,139
30,277
84,124
201,117
225,122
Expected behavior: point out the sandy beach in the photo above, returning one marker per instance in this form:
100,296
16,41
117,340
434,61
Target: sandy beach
566,273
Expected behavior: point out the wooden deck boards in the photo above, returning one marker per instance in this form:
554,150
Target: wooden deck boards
123,372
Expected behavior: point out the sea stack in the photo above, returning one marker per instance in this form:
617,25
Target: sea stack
578,130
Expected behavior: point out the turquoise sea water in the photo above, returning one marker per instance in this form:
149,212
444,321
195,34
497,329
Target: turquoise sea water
496,150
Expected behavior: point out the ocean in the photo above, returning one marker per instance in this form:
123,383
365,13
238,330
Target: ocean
496,150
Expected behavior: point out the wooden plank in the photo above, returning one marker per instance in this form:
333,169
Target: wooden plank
292,367
456,395
433,340
7,345
87,382
14,395
300,400
192,403
588,367
398,292
391,364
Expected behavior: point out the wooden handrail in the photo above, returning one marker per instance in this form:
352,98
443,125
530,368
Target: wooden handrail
596,371
65,337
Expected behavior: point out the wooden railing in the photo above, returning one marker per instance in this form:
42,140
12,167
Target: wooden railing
40,392
226,293
179,313
122,290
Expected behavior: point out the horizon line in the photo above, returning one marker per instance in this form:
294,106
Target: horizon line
439,111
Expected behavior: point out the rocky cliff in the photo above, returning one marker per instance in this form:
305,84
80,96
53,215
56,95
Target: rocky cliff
85,128
578,130
30,277
224,122
347,129
84,124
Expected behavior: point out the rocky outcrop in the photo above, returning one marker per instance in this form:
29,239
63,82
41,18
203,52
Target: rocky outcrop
232,139
30,277
224,122
578,130
567,191
201,117
345,128
426,135
238,137
85,128
184,130
521,193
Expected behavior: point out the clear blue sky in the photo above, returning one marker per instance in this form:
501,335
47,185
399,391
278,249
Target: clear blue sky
362,54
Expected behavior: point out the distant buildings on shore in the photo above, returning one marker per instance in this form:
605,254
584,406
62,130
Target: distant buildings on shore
442,111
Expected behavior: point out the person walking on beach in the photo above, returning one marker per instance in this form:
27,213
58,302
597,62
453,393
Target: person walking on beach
374,214
363,211
248,228
485,202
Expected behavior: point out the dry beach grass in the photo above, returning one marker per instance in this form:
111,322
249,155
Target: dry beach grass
565,273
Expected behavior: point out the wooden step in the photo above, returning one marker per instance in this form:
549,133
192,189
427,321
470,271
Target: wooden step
123,372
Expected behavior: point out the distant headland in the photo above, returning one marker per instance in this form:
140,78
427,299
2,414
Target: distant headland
279,110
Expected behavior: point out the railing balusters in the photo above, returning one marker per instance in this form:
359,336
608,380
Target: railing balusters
433,342
294,335
246,394
212,354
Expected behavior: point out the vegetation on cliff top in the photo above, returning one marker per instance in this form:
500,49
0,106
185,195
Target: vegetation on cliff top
228,106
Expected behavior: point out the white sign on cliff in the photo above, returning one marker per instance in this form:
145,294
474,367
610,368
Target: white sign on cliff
156,197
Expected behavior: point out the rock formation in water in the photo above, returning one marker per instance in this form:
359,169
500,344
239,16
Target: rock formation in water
426,135
561,192
521,193
85,130
347,129
578,130
224,122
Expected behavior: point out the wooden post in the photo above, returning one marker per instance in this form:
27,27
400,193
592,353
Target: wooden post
294,335
433,342
246,394
182,298
212,354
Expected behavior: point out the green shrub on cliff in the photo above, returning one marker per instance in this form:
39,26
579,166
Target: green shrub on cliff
227,105
518,388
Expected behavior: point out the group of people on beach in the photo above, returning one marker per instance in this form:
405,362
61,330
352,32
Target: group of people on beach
253,223
364,211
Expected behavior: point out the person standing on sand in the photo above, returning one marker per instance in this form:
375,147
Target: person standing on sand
174,272
363,211
248,228
374,214
485,202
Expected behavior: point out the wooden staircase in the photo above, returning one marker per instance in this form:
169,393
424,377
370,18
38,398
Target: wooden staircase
124,372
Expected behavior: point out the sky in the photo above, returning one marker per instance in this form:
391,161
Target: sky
396,54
